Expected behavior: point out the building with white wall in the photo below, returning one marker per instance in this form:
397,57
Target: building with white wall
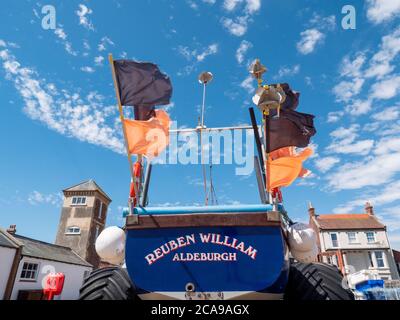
25,262
357,243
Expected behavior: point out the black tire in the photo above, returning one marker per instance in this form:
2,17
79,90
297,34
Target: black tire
112,283
315,281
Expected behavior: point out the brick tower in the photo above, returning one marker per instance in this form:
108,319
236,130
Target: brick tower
83,217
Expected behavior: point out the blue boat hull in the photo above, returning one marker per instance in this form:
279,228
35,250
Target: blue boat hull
214,262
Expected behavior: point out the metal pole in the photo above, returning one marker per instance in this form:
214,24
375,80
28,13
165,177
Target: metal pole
203,106
146,184
121,116
203,168
211,129
258,144
260,180
267,147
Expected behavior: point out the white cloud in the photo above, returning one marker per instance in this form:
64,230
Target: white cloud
230,5
377,169
334,116
60,33
195,56
386,89
87,69
210,50
36,198
346,90
248,84
388,145
359,107
310,38
382,10
83,118
326,163
380,64
253,6
104,42
83,13
352,68
388,114
99,60
237,27
388,194
344,141
241,51
327,23
286,71
308,81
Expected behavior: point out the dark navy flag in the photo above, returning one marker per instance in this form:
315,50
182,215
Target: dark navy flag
143,85
292,128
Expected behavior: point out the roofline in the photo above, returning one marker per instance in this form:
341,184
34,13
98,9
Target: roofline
100,190
55,260
358,249
43,242
11,238
334,229
58,246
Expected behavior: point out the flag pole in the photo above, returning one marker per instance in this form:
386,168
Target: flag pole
121,116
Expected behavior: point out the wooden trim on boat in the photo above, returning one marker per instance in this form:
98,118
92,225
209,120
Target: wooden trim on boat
200,220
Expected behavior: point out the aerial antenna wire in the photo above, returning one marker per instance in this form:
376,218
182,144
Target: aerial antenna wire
204,78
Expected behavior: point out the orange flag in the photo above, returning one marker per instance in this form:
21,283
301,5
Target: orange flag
148,137
285,166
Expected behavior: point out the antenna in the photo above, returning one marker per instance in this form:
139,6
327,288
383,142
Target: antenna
204,78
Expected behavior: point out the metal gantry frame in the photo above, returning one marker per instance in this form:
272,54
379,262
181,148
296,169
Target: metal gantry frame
141,186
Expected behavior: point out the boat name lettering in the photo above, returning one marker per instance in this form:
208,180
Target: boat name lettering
190,239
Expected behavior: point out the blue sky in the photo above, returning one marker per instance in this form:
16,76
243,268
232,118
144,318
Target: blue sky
59,123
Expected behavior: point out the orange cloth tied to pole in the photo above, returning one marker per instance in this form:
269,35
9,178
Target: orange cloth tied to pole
149,137
284,166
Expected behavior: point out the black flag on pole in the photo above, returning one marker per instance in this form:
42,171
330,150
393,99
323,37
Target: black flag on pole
142,85
292,128
292,97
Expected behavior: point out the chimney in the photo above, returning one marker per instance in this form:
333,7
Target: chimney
369,208
311,209
12,229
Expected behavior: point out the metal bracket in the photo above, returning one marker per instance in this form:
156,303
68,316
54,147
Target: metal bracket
132,218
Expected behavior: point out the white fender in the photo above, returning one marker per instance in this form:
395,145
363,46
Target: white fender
110,245
303,243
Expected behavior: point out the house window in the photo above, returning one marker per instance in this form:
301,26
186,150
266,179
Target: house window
97,232
371,262
79,201
352,237
334,239
100,209
29,271
73,230
379,259
370,237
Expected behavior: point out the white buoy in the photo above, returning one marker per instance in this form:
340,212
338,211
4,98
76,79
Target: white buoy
110,245
303,243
